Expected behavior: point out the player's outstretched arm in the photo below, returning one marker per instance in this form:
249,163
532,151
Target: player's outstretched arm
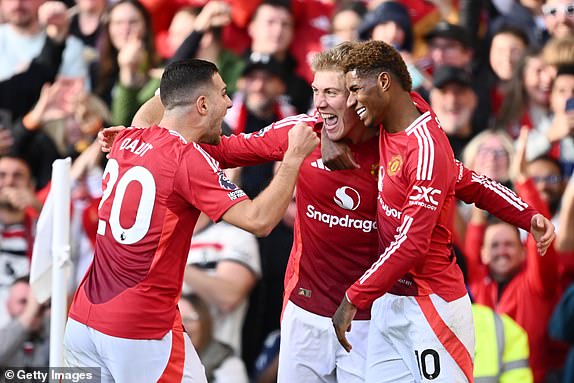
262,214
493,197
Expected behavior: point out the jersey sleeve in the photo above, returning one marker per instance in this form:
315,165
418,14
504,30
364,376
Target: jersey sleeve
493,197
430,181
203,184
268,144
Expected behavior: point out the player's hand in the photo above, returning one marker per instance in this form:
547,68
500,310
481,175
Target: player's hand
107,136
302,141
342,322
542,230
336,155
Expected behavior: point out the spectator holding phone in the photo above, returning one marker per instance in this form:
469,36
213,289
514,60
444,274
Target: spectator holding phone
558,140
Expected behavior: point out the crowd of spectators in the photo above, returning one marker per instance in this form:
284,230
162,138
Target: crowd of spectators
499,74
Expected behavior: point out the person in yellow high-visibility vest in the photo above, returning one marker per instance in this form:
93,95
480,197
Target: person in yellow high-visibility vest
502,351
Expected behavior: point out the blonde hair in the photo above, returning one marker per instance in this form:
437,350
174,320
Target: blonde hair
559,51
332,59
471,150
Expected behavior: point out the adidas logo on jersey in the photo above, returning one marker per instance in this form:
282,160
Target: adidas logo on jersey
320,165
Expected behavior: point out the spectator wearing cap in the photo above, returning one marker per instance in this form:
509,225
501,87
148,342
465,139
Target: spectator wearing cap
449,44
258,102
271,30
260,98
454,101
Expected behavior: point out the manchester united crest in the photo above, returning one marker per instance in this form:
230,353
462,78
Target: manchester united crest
394,165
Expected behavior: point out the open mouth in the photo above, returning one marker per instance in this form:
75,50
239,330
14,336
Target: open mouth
361,112
329,120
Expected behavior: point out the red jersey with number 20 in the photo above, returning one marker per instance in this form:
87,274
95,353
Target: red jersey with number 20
416,186
155,185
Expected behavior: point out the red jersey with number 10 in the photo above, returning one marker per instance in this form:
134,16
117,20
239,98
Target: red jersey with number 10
416,186
155,185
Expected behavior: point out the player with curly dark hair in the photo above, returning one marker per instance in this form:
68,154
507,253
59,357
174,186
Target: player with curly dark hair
421,318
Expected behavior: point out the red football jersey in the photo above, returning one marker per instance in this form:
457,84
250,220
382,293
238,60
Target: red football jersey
416,187
155,185
335,235
335,232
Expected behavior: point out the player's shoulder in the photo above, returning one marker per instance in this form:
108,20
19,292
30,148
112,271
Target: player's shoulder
195,154
425,130
419,130
148,132
292,120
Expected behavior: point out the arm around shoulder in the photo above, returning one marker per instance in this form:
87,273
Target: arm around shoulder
260,215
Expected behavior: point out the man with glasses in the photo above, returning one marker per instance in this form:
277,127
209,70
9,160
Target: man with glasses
546,174
559,17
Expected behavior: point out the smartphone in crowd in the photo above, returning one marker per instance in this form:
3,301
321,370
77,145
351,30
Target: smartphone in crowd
570,104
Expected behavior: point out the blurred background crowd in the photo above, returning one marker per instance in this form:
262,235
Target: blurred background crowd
498,73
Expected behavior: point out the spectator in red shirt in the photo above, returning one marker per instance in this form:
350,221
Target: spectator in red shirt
514,280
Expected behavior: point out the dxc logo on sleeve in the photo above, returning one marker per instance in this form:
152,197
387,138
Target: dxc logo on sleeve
425,197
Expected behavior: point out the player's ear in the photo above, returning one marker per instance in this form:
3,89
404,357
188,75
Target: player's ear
384,81
201,105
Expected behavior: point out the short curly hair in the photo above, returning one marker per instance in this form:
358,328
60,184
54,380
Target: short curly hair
373,57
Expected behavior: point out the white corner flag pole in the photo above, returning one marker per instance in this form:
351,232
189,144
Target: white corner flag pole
61,185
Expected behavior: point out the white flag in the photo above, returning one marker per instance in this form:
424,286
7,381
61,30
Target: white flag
41,265
52,241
